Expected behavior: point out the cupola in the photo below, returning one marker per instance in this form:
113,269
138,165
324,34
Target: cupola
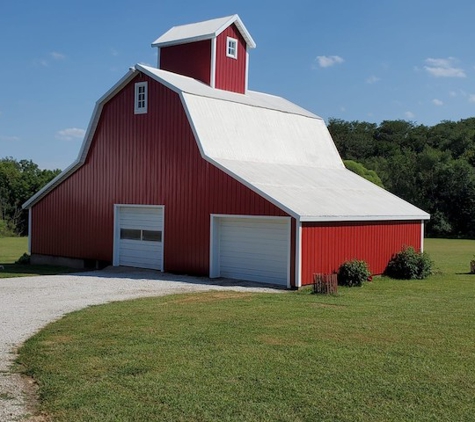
215,52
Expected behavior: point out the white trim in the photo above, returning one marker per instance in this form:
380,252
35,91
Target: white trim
422,235
214,240
246,80
158,57
116,231
29,231
298,254
317,218
141,98
232,44
183,41
289,249
241,28
212,78
213,247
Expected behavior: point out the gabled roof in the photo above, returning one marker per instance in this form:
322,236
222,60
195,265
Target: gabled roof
277,149
202,31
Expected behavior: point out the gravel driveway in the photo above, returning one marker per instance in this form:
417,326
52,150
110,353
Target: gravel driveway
28,304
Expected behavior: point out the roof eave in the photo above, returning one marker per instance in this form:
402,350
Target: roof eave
234,19
183,40
343,218
242,29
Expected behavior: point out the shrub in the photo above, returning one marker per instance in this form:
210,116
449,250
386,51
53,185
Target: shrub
6,228
23,260
353,273
409,264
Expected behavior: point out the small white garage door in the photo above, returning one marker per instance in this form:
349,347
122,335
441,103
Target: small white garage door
139,237
255,249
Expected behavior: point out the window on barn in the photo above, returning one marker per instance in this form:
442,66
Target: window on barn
138,234
130,234
231,48
141,98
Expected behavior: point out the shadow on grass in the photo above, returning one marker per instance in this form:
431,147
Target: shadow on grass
24,270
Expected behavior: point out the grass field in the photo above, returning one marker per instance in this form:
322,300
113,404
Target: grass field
389,351
12,248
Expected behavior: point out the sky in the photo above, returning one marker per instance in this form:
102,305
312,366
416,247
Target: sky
366,60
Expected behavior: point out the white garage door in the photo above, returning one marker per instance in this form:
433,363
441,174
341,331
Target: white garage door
139,237
256,249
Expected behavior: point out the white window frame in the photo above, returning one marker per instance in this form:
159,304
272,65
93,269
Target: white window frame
232,47
141,98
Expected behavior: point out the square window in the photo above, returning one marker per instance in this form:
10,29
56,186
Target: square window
152,235
231,48
140,98
130,234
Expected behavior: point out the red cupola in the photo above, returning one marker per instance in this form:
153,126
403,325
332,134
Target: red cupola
214,52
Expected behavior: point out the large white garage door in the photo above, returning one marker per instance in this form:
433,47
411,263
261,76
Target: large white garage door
139,237
256,249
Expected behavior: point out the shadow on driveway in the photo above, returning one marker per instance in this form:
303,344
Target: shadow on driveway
146,274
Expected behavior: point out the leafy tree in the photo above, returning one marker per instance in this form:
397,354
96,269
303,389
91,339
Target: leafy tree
19,180
354,140
362,171
431,167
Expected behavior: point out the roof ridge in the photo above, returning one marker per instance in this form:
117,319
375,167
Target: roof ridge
203,90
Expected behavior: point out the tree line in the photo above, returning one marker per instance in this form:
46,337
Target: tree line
432,167
19,180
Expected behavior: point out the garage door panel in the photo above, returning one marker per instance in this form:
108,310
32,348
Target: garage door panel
139,245
255,249
151,253
141,252
239,256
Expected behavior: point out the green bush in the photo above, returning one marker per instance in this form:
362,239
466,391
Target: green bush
6,229
409,265
353,273
23,260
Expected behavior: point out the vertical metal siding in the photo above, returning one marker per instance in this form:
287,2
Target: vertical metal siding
325,246
191,59
231,73
149,159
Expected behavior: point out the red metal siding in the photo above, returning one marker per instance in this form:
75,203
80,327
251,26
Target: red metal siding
192,59
325,246
231,73
142,159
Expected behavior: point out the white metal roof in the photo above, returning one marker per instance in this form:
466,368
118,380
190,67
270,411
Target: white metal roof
282,152
202,31
274,147
184,84
311,193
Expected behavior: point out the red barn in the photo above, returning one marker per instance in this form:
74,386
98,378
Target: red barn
183,169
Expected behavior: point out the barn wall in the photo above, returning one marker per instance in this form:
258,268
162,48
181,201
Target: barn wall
325,246
231,73
142,159
192,59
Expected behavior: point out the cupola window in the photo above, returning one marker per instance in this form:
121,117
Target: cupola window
231,47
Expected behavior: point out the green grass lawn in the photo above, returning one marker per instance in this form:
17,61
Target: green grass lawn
12,248
389,351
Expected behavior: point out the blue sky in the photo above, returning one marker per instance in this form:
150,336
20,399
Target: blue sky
369,60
